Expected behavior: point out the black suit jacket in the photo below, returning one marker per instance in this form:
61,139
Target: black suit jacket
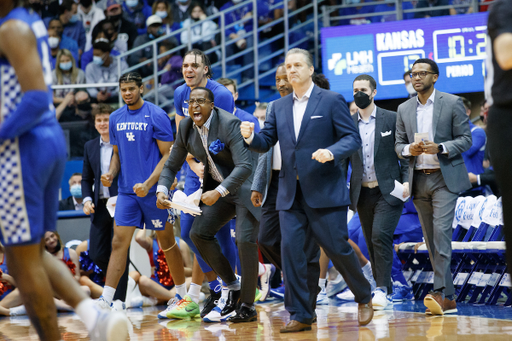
67,204
388,167
235,162
91,173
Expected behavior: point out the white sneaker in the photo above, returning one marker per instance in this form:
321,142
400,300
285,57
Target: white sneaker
215,315
110,326
103,304
321,298
173,302
118,305
270,269
143,301
347,295
335,287
380,300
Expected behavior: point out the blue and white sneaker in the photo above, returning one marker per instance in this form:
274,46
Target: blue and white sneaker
380,300
270,269
321,298
215,315
402,293
335,287
103,304
278,292
173,302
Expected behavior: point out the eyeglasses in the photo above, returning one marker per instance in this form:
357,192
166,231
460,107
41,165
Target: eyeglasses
199,101
422,74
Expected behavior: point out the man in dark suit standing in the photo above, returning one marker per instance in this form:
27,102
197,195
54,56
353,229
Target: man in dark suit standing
212,135
97,156
315,133
432,131
375,167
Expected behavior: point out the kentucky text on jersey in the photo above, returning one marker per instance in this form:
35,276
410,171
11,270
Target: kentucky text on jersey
132,126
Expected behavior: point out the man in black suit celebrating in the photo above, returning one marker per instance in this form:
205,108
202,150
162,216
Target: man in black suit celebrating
97,156
375,167
212,135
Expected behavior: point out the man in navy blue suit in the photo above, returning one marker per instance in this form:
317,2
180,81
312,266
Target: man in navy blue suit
97,156
315,133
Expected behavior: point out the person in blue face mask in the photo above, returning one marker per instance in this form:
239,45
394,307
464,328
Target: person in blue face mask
103,69
73,27
65,72
137,12
74,201
154,30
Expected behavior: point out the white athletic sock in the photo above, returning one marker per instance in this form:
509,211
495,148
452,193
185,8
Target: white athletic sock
321,283
108,294
194,291
225,293
181,290
367,269
261,269
88,313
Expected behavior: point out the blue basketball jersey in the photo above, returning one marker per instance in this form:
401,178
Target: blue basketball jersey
135,132
222,97
10,90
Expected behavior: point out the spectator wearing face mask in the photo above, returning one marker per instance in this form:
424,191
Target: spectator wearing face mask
137,12
66,72
90,15
163,9
73,27
98,33
124,29
408,84
202,32
64,41
74,201
103,69
154,30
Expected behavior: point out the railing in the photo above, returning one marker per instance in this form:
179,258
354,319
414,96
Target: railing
329,20
225,42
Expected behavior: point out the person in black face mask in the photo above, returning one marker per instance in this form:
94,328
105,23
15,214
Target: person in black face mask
375,168
127,31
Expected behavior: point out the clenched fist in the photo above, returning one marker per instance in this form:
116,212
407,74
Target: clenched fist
256,198
106,179
246,129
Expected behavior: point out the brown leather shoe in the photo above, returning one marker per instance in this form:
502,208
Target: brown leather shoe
295,326
434,302
449,307
364,313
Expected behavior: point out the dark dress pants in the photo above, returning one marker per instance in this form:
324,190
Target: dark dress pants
100,245
203,232
269,240
328,228
378,220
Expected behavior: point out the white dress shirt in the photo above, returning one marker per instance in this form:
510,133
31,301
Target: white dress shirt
106,150
424,117
78,206
367,132
276,157
299,108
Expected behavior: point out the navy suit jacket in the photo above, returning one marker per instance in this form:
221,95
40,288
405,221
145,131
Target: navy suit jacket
91,173
326,124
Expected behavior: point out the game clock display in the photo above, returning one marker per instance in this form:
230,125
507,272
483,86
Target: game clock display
387,50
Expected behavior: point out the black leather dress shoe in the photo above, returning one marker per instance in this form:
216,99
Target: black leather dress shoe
210,302
232,302
246,313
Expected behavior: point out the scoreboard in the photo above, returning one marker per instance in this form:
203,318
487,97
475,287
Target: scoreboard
386,50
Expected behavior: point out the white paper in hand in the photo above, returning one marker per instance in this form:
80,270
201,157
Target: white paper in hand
398,191
111,205
188,204
419,137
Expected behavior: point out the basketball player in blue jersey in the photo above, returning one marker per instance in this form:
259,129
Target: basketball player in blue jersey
32,161
197,72
141,135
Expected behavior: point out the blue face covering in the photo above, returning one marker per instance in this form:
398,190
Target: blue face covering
97,60
161,14
132,3
66,66
76,191
74,18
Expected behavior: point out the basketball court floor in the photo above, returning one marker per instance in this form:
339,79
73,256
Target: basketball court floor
337,321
